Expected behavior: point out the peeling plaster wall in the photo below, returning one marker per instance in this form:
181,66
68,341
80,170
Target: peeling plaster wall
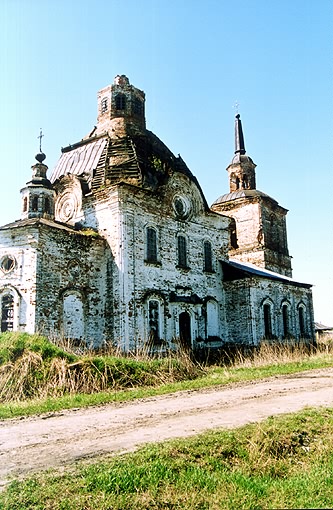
244,303
73,264
21,281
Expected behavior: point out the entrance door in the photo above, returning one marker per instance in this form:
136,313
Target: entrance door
185,330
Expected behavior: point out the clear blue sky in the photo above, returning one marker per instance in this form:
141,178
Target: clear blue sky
194,60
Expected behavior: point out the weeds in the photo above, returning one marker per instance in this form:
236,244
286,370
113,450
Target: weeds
32,367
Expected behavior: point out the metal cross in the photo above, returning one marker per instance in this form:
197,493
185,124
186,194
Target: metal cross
40,139
236,106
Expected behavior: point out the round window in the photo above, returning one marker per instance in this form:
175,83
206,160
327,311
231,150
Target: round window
7,263
181,206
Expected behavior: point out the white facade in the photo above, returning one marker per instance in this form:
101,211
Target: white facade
120,246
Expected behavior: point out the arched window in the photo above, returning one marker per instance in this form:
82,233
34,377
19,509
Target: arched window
154,320
7,313
120,102
73,316
233,234
25,204
237,182
301,320
208,257
34,204
267,320
212,319
245,182
285,320
185,335
151,245
182,255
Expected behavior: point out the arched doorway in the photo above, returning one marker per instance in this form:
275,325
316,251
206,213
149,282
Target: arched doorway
185,330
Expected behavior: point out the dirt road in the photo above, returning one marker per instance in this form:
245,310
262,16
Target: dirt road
32,444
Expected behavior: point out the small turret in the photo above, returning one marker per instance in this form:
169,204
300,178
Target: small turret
38,194
121,109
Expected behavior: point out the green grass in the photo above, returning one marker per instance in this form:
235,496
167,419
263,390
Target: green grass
284,462
38,377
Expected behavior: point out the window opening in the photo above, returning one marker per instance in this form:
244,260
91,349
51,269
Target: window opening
104,105
138,106
237,182
153,312
267,321
120,102
34,205
7,263
285,318
47,205
208,259
182,259
233,235
25,204
151,245
301,317
7,313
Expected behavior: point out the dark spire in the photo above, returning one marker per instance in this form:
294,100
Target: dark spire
239,138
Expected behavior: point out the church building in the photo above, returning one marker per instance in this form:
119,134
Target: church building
119,246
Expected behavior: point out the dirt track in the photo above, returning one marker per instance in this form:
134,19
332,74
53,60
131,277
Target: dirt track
54,440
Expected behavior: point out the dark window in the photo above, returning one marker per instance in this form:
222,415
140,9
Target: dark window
151,245
7,313
182,259
301,318
233,235
104,105
47,205
285,318
185,330
267,321
34,205
208,259
7,263
137,106
120,102
153,311
25,204
245,182
237,182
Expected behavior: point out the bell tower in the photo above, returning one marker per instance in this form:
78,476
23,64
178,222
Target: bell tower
241,170
258,232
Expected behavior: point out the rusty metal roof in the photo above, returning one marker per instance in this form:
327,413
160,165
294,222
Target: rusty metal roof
242,193
235,270
81,158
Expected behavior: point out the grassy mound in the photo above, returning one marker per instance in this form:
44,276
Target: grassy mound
33,367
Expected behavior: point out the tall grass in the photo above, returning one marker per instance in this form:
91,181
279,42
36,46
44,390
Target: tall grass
33,367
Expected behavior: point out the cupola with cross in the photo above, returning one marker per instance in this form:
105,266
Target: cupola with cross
38,194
